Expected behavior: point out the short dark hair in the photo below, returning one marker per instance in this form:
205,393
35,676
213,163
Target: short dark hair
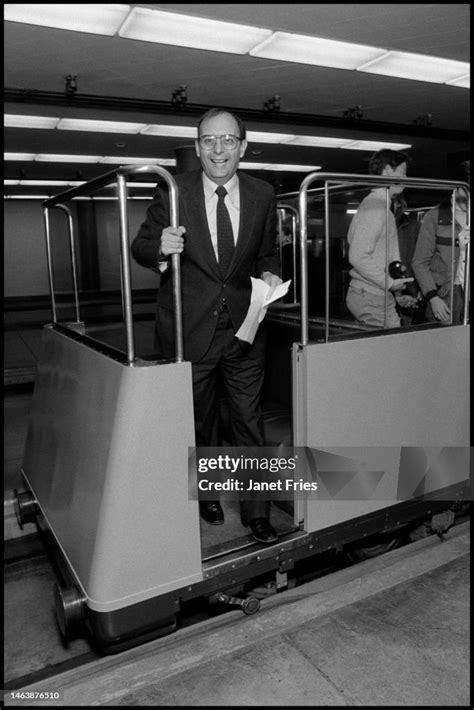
384,157
217,112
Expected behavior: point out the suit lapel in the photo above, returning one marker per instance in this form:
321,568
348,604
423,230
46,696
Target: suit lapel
193,204
246,222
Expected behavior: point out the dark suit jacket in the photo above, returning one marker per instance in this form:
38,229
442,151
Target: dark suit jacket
203,286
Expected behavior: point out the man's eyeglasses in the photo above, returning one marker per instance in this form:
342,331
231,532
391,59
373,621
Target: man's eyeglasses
228,141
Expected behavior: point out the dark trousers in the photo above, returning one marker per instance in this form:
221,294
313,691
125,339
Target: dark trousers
239,370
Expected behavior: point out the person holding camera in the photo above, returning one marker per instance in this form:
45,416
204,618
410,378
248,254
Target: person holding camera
373,294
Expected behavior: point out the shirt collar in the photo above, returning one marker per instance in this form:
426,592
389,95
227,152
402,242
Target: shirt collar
232,187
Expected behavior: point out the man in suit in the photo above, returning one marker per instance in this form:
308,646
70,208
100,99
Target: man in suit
224,238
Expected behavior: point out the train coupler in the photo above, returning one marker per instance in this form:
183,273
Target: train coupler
250,605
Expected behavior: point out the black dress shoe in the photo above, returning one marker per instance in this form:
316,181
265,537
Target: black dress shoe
212,512
262,531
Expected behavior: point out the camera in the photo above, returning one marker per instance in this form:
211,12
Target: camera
397,270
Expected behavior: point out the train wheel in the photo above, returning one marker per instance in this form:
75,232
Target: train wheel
373,547
69,609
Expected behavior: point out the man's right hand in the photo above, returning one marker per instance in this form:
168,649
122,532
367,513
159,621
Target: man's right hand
399,284
440,308
171,241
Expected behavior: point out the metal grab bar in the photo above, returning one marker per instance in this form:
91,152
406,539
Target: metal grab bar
50,261
281,210
361,180
119,176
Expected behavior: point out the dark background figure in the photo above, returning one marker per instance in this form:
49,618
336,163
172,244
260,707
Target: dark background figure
408,228
225,216
433,259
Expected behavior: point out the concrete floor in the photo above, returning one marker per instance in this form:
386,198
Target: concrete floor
393,631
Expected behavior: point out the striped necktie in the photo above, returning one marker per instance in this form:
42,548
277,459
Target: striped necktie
225,235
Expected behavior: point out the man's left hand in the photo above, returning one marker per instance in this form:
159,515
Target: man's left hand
272,280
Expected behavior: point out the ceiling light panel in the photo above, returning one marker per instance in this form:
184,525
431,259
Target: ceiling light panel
26,197
463,81
375,145
82,124
317,141
60,158
252,166
279,166
290,47
55,183
19,156
265,137
419,67
119,160
95,19
162,130
187,31
293,168
14,121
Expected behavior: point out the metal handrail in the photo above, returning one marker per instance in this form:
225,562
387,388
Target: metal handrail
119,175
373,181
281,209
73,258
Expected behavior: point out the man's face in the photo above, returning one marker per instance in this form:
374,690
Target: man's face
399,171
219,163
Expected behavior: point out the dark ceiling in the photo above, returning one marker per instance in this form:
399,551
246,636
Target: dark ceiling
122,79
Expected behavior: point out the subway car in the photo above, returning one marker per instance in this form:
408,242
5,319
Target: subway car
379,417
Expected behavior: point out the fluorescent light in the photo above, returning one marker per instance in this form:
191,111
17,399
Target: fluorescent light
119,160
11,182
19,156
419,67
253,166
463,81
162,130
279,166
351,211
293,168
264,137
96,19
26,197
318,141
375,145
188,31
290,47
54,183
112,198
60,158
82,124
86,197
14,121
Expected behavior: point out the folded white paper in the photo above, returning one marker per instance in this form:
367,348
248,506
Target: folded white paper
258,307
